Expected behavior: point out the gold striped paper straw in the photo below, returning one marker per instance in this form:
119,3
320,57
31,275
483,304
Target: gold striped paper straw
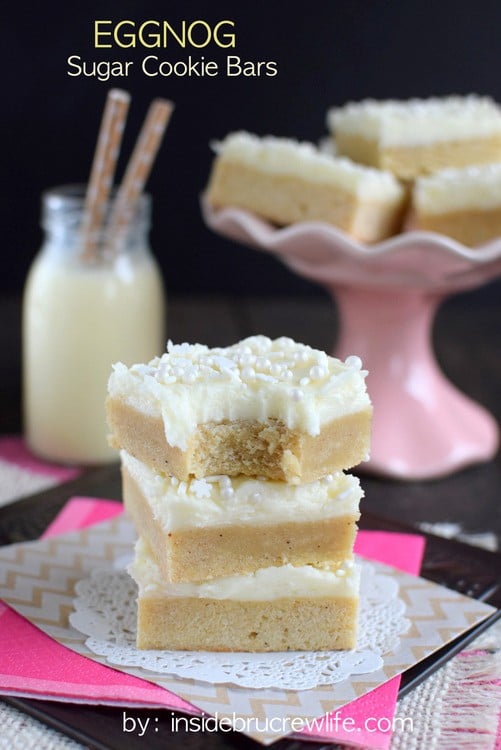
138,169
103,169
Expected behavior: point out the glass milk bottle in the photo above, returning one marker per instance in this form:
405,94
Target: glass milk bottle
80,315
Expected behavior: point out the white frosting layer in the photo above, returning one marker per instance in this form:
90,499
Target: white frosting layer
286,156
472,188
416,121
255,379
222,501
266,584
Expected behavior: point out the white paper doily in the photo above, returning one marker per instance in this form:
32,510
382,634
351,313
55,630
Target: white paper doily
105,611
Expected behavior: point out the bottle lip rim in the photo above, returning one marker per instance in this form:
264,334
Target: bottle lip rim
73,195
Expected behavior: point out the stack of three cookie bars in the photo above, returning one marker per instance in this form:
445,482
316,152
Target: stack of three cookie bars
232,467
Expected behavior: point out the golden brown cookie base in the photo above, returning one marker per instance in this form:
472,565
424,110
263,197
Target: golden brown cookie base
468,227
197,624
201,553
408,162
285,199
258,449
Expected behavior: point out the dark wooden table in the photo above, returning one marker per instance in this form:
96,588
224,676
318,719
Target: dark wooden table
466,339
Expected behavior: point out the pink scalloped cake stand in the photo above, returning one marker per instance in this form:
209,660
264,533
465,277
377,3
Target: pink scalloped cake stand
387,295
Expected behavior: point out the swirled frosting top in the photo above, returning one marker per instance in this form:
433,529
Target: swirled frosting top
265,584
221,500
415,121
470,188
256,379
303,159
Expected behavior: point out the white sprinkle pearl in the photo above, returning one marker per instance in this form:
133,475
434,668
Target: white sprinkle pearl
317,372
340,573
304,381
297,395
227,493
285,341
263,363
329,478
353,361
248,373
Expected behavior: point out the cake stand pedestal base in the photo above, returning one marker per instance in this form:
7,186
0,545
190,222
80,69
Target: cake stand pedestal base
423,427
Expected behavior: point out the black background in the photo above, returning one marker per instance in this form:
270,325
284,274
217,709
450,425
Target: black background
327,52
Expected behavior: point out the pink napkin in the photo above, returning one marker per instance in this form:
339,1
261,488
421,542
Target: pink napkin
13,449
34,665
366,721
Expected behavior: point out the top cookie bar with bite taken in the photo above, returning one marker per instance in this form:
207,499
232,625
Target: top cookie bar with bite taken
275,409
